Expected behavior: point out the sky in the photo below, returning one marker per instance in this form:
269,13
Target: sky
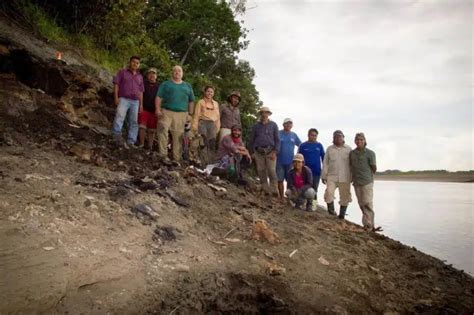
400,71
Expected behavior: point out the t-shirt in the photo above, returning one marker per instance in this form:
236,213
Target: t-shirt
288,141
313,153
360,166
174,96
299,181
149,96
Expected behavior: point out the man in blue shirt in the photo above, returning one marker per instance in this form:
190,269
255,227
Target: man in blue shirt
288,141
313,153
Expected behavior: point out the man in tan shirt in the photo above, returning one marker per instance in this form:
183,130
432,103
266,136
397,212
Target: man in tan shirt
337,174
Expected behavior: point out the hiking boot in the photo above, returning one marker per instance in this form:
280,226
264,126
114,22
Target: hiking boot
342,212
331,208
309,205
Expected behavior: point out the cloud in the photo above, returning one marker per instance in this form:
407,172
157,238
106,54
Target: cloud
399,70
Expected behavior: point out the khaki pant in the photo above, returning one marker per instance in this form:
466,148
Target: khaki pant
365,196
174,123
344,192
266,169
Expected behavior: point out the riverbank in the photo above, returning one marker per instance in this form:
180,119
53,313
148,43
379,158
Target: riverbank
88,227
454,178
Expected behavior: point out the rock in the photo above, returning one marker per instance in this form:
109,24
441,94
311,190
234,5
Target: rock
260,231
182,268
146,210
55,195
164,233
87,203
323,261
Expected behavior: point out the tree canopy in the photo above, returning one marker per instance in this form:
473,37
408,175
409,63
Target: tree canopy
204,36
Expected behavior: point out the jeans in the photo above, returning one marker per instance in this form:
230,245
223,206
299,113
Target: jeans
316,180
131,107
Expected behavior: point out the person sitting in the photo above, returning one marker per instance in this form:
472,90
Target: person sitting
232,155
300,182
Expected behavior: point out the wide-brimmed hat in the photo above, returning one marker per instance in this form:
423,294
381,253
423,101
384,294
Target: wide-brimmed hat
337,132
236,93
264,109
152,70
298,157
286,120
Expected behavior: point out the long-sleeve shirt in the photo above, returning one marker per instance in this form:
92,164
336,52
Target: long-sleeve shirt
336,166
206,111
130,85
228,146
264,135
307,178
230,116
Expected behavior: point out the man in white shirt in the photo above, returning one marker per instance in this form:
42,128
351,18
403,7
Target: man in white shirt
337,174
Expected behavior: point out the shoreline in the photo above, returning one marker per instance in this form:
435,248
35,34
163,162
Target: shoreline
427,178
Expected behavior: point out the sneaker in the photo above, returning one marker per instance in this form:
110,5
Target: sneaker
314,205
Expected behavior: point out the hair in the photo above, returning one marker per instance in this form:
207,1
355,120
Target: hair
177,66
207,87
313,130
361,134
134,57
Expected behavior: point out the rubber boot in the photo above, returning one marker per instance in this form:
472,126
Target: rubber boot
342,212
331,208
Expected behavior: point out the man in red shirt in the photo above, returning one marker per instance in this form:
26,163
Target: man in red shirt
300,184
147,119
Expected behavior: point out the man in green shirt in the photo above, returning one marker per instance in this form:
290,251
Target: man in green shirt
363,168
174,102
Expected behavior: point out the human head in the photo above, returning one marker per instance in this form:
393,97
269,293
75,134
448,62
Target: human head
287,124
264,113
338,138
298,161
177,73
236,131
209,91
312,135
234,98
151,75
134,63
360,140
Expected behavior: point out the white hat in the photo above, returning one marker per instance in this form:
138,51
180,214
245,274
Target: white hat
287,120
265,109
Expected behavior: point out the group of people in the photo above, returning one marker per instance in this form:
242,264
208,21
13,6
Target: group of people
167,110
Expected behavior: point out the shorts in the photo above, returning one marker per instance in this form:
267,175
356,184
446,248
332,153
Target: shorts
147,120
282,171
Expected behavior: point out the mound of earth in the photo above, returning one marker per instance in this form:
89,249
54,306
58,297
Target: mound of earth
89,228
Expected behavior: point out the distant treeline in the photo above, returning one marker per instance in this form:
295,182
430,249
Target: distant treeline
204,36
425,172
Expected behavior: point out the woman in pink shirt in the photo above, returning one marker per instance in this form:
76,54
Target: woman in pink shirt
300,184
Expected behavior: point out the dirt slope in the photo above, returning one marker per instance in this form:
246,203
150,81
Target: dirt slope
88,228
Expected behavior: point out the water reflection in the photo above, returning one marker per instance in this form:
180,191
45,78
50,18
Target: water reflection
436,218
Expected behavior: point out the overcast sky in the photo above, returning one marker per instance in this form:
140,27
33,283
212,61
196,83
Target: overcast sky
401,71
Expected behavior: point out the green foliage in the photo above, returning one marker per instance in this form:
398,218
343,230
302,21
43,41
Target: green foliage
204,36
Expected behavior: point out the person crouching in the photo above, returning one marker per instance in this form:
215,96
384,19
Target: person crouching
300,182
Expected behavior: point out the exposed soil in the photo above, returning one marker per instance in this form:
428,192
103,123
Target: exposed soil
89,228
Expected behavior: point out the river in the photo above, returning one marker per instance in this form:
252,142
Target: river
434,217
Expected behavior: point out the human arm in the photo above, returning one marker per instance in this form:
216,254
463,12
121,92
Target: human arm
116,94
276,138
324,172
218,120
158,106
195,119
140,102
373,163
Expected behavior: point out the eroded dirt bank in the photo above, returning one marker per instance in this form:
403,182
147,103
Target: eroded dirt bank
88,228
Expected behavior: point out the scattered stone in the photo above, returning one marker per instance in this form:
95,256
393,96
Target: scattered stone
260,230
164,233
182,268
55,196
292,253
146,210
323,261
232,240
48,248
273,269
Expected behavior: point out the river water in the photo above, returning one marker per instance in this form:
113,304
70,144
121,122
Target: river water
434,217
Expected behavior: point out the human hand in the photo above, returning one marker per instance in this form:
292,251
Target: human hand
324,181
158,113
116,101
140,108
273,155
